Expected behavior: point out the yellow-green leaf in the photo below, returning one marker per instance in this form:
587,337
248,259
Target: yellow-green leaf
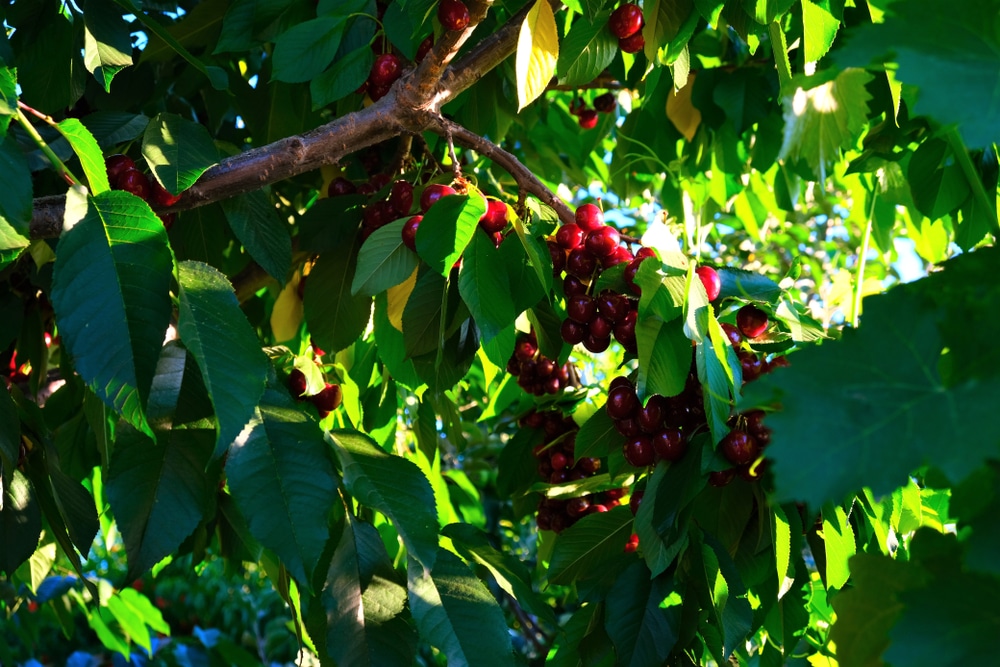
537,53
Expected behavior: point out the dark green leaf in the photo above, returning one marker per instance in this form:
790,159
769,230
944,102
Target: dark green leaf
383,261
10,441
159,492
224,345
586,51
937,184
662,520
20,524
249,22
344,77
111,294
15,201
336,317
642,617
178,151
256,224
422,314
282,479
394,486
447,228
590,545
304,51
456,614
8,98
107,43
747,285
598,436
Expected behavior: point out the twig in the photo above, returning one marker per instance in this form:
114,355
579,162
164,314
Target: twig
456,168
57,164
526,180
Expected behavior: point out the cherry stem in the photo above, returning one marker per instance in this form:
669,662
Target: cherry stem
54,160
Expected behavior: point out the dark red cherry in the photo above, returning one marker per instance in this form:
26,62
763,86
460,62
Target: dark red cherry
626,21
600,327
625,330
569,236
160,196
401,198
134,181
581,308
751,320
603,241
495,218
651,415
633,44
424,48
453,15
297,384
434,192
578,506
340,186
669,444
639,451
612,305
581,263
588,119
115,165
622,402
385,70
721,478
409,232
636,500
328,399
595,344
733,334
739,448
605,103
589,217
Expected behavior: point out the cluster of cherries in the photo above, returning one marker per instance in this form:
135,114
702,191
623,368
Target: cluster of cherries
587,117
123,175
536,373
580,251
326,400
557,464
626,24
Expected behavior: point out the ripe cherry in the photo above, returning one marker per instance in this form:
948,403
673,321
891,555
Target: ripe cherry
578,506
134,181
558,256
751,320
116,164
612,305
605,103
751,365
558,461
377,92
581,308
409,232
573,332
525,349
595,344
669,444
495,218
573,286
401,197
638,451
385,70
340,186
434,192
628,427
625,331
602,241
633,544
424,48
739,448
588,119
633,44
297,384
626,21
589,217
581,263
733,334
710,279
600,327
622,402
721,478
569,236
636,500
160,196
327,400
453,15
651,415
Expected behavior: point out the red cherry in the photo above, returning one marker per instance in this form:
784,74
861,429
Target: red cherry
588,119
739,448
377,92
651,415
160,196
589,465
558,461
401,197
409,232
669,444
625,331
385,70
297,384
605,103
569,236
626,21
581,308
328,399
595,344
577,105
751,365
116,164
589,217
603,241
434,192
134,181
710,279
573,332
633,44
636,500
453,15
628,427
495,218
733,334
638,451
558,256
597,509
612,305
721,478
620,381
573,286
621,255
600,327
581,263
578,506
424,48
340,186
525,349
622,402
751,320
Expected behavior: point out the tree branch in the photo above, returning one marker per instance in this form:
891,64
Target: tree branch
526,180
410,107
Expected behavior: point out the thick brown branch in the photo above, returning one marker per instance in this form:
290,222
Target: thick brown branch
526,180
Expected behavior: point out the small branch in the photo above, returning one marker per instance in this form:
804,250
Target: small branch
402,157
526,180
603,81
456,168
54,160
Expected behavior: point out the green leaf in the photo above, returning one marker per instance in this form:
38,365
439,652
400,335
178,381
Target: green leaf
838,538
15,201
819,28
343,78
750,285
256,224
86,148
507,570
826,118
364,602
178,151
111,295
159,492
951,53
248,22
216,331
336,317
587,50
8,98
303,52
10,441
422,314
664,357
282,479
590,545
447,228
111,128
872,407
383,261
665,21
393,486
107,42
485,288
455,613
642,617
937,184
20,524
598,436
662,520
